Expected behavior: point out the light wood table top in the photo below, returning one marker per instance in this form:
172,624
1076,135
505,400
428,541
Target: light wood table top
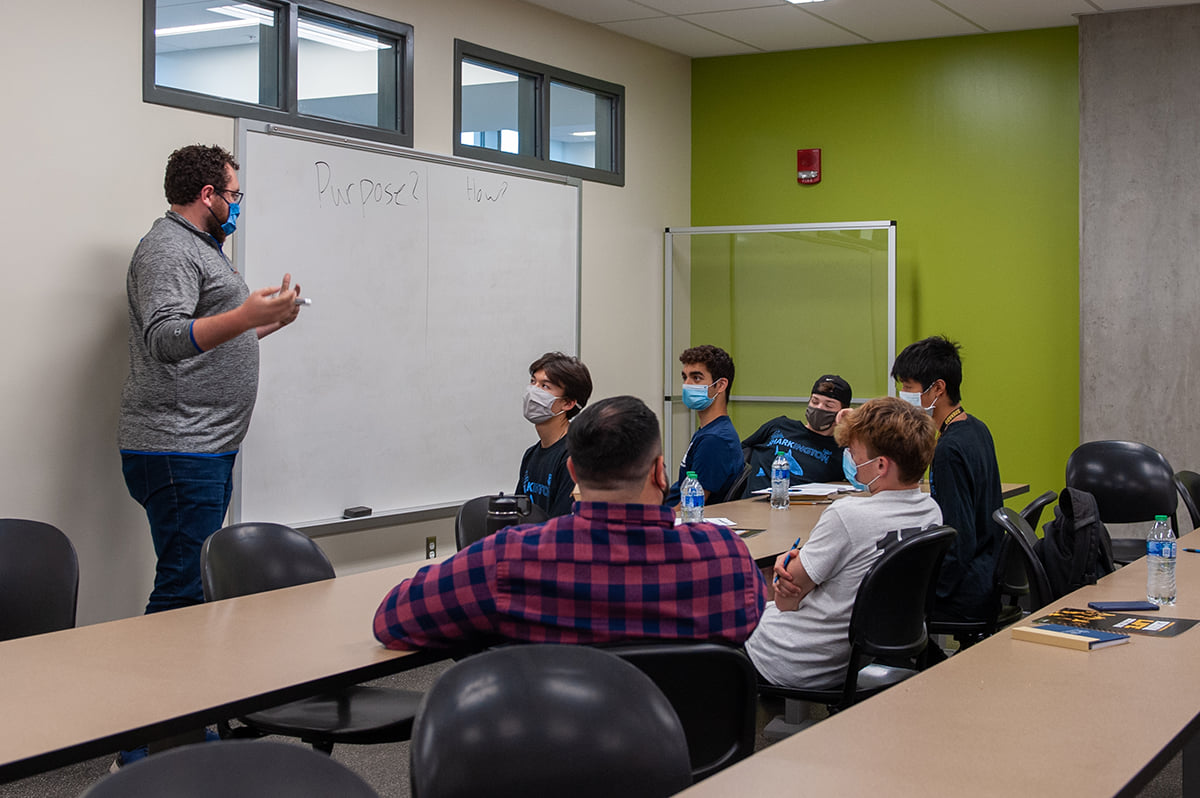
781,528
1007,717
85,692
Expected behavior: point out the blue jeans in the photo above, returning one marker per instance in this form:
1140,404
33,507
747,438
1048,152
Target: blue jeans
185,496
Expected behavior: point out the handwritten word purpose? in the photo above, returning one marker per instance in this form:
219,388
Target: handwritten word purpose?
365,191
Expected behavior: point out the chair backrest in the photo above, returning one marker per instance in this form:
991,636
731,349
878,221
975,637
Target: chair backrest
1032,512
530,720
256,556
1014,581
714,691
470,524
234,769
736,489
1188,483
1130,481
894,600
39,579
1020,537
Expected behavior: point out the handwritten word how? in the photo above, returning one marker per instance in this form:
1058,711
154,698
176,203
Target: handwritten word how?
365,192
478,193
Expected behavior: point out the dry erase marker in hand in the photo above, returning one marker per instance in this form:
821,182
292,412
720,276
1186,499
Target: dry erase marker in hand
303,301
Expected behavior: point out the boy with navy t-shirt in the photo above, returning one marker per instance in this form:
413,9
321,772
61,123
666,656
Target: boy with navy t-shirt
715,452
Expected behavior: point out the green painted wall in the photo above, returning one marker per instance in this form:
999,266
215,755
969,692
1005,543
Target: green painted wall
971,145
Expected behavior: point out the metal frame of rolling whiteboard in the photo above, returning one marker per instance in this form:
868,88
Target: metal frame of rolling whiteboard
428,512
668,310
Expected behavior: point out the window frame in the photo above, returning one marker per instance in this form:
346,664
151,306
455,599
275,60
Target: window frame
287,73
543,75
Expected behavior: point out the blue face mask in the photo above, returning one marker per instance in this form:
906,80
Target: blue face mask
695,397
230,224
850,469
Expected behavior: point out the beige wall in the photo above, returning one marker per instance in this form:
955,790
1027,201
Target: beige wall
83,182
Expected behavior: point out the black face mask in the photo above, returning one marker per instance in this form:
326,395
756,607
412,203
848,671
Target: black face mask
820,419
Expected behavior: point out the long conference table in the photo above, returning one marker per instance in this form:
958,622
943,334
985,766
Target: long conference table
1007,717
86,692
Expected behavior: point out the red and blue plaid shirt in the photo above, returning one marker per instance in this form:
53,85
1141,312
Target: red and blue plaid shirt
605,572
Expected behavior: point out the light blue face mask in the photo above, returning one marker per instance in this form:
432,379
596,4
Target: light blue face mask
914,399
230,224
850,469
695,397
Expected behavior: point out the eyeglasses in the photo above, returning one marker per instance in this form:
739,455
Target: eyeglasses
237,195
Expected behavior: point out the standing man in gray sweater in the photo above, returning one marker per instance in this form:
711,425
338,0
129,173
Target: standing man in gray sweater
194,328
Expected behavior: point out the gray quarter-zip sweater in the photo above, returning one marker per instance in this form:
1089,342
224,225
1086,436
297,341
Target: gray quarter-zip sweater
177,398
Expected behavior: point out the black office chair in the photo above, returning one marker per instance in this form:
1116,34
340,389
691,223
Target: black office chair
887,626
1188,483
470,524
1003,606
39,579
1020,537
528,720
233,769
1131,483
713,689
254,557
1014,588
736,489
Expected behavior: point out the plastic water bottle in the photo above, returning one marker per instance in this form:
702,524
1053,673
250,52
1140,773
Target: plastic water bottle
780,482
692,494
1160,562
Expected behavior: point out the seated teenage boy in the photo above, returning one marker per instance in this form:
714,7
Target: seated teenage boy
616,568
715,453
559,387
802,639
812,453
964,478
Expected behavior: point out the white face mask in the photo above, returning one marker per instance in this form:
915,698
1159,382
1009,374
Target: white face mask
538,402
914,399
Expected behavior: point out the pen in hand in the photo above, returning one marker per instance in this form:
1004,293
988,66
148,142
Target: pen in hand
788,559
1193,551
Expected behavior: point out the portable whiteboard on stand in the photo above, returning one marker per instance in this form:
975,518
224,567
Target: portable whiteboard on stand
435,282
789,302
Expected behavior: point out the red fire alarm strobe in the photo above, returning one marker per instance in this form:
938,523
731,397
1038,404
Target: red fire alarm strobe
808,166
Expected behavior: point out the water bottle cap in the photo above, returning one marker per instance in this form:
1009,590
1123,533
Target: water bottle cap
1160,518
692,474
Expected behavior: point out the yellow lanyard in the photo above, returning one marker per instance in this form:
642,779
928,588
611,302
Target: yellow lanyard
958,411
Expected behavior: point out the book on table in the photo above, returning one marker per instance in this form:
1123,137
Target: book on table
1122,622
1078,638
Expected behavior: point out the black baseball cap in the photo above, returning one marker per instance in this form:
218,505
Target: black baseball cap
834,387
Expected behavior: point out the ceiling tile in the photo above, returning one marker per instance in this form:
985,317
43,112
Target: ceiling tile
681,37
772,29
1021,14
681,7
893,20
599,10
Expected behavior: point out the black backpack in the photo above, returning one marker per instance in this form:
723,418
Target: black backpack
1076,549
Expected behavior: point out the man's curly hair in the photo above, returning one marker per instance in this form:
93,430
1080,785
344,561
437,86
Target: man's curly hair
191,168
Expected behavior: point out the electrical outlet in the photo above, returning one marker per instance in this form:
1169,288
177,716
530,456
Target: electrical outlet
430,547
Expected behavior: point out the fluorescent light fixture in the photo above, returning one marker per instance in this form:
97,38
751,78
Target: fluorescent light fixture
245,15
801,2
182,30
584,133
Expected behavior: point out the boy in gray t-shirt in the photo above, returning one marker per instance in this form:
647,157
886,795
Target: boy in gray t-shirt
801,640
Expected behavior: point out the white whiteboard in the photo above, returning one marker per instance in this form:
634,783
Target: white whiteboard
435,282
